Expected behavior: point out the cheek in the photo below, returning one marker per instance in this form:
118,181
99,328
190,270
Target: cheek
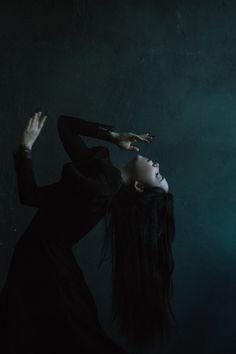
144,171
149,173
141,172
151,170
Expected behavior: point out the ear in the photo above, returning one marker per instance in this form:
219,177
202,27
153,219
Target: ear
138,186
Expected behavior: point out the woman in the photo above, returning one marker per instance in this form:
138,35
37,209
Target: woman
140,226
45,305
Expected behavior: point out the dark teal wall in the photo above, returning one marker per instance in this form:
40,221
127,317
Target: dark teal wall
168,67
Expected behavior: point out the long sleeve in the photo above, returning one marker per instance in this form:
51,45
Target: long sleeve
70,129
29,192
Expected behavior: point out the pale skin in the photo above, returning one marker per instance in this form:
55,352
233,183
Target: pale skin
141,170
32,129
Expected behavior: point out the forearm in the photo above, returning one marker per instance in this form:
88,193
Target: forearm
74,125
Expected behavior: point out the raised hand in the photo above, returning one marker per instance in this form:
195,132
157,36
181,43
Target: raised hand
125,140
33,129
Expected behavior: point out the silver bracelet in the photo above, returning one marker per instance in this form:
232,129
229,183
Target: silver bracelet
25,151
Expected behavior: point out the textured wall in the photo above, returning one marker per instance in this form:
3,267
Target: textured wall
162,66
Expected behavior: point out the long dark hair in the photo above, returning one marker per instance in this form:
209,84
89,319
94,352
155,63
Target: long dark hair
140,227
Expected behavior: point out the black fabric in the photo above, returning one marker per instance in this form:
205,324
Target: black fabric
46,305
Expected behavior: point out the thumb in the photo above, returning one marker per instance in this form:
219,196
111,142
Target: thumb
134,148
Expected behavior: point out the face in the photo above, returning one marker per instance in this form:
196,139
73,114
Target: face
146,173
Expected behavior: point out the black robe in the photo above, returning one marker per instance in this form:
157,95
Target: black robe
45,304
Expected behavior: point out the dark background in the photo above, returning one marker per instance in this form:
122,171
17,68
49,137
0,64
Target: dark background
168,67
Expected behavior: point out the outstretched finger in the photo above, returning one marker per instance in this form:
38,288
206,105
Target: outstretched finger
34,122
42,122
143,138
136,137
148,133
134,148
148,136
38,119
28,125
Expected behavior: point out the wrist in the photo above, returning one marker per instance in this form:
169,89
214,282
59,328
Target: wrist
26,146
23,151
113,136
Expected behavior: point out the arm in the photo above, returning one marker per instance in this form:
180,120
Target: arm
70,129
29,193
